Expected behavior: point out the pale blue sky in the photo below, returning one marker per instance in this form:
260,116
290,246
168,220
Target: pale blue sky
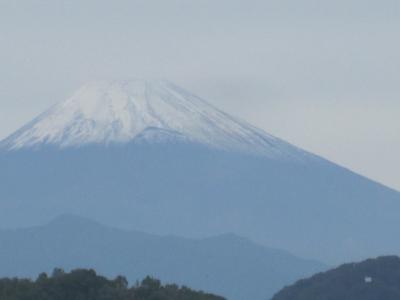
323,75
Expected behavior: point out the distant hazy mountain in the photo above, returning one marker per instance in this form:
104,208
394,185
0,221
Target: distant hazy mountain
228,265
373,279
152,157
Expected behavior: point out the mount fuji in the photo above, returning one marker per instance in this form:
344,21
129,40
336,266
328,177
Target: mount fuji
150,156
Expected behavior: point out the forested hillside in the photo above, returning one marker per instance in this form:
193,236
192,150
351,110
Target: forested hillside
373,279
87,285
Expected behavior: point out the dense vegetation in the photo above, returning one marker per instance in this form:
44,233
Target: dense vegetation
87,285
373,279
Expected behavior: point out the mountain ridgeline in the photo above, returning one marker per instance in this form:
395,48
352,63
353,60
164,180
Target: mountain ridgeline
226,265
373,279
152,157
87,285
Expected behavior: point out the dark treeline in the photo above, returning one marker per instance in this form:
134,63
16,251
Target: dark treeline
373,279
87,285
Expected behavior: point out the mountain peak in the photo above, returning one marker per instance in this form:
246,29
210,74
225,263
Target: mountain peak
104,112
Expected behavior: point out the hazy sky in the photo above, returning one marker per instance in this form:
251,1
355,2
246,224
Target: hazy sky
324,75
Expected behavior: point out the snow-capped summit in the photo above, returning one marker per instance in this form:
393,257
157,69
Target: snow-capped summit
123,111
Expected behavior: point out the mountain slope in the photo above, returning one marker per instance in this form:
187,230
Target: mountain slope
169,180
227,264
373,279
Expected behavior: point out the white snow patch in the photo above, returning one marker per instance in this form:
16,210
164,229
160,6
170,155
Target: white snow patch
120,111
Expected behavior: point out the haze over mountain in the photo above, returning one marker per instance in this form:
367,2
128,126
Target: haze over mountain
149,156
228,264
